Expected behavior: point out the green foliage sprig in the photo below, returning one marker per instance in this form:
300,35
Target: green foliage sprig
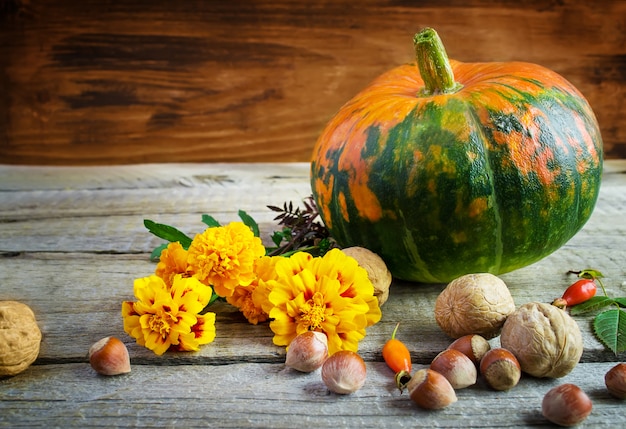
609,325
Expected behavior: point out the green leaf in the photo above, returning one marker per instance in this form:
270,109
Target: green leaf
250,222
277,238
610,328
621,301
593,304
210,221
156,253
168,233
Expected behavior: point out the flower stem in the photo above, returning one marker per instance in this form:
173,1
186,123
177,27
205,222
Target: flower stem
433,64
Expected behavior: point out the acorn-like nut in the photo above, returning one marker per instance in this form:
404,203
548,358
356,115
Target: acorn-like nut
307,351
615,380
109,356
344,372
431,390
566,405
473,346
546,340
458,369
20,338
377,270
500,369
474,304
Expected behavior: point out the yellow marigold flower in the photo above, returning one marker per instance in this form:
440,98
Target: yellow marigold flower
252,300
224,257
173,260
168,317
331,294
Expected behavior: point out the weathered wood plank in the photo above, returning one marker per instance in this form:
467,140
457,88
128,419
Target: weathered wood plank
67,290
270,395
95,82
72,241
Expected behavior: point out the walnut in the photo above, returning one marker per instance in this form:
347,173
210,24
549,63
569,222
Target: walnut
377,270
19,338
545,340
474,304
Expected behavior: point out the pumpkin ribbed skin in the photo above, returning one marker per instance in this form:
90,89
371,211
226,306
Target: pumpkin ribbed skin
490,178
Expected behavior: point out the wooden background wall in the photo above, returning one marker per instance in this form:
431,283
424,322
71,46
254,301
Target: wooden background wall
98,82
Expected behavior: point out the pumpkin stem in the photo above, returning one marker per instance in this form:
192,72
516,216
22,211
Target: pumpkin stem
433,64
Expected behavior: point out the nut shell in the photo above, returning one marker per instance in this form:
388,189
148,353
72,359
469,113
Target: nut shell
307,351
109,356
500,369
20,337
377,270
615,380
545,340
474,304
431,390
458,369
473,346
344,372
566,405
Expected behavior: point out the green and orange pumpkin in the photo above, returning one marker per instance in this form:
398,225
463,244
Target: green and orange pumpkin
448,168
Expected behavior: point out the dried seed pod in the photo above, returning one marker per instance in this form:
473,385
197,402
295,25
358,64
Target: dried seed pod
307,351
545,340
473,346
500,369
474,304
458,369
431,390
566,405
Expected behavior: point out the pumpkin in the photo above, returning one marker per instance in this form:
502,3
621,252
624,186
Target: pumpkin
448,168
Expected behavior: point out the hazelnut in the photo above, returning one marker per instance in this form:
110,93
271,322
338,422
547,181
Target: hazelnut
615,380
431,390
545,340
500,369
474,304
377,270
109,356
566,405
473,346
307,351
20,337
458,369
344,372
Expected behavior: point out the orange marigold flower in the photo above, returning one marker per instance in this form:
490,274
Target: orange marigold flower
173,260
252,300
224,257
331,294
164,318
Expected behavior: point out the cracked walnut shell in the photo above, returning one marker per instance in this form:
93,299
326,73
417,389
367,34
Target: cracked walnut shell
545,340
474,304
19,337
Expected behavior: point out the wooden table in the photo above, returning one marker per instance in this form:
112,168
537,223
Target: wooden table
72,241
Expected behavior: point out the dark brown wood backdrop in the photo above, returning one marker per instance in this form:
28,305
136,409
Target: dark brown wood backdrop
97,82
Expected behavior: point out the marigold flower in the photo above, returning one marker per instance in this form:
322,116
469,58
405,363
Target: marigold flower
168,317
224,257
173,260
331,294
252,300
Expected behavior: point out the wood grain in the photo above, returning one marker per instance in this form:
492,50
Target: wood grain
72,242
95,82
